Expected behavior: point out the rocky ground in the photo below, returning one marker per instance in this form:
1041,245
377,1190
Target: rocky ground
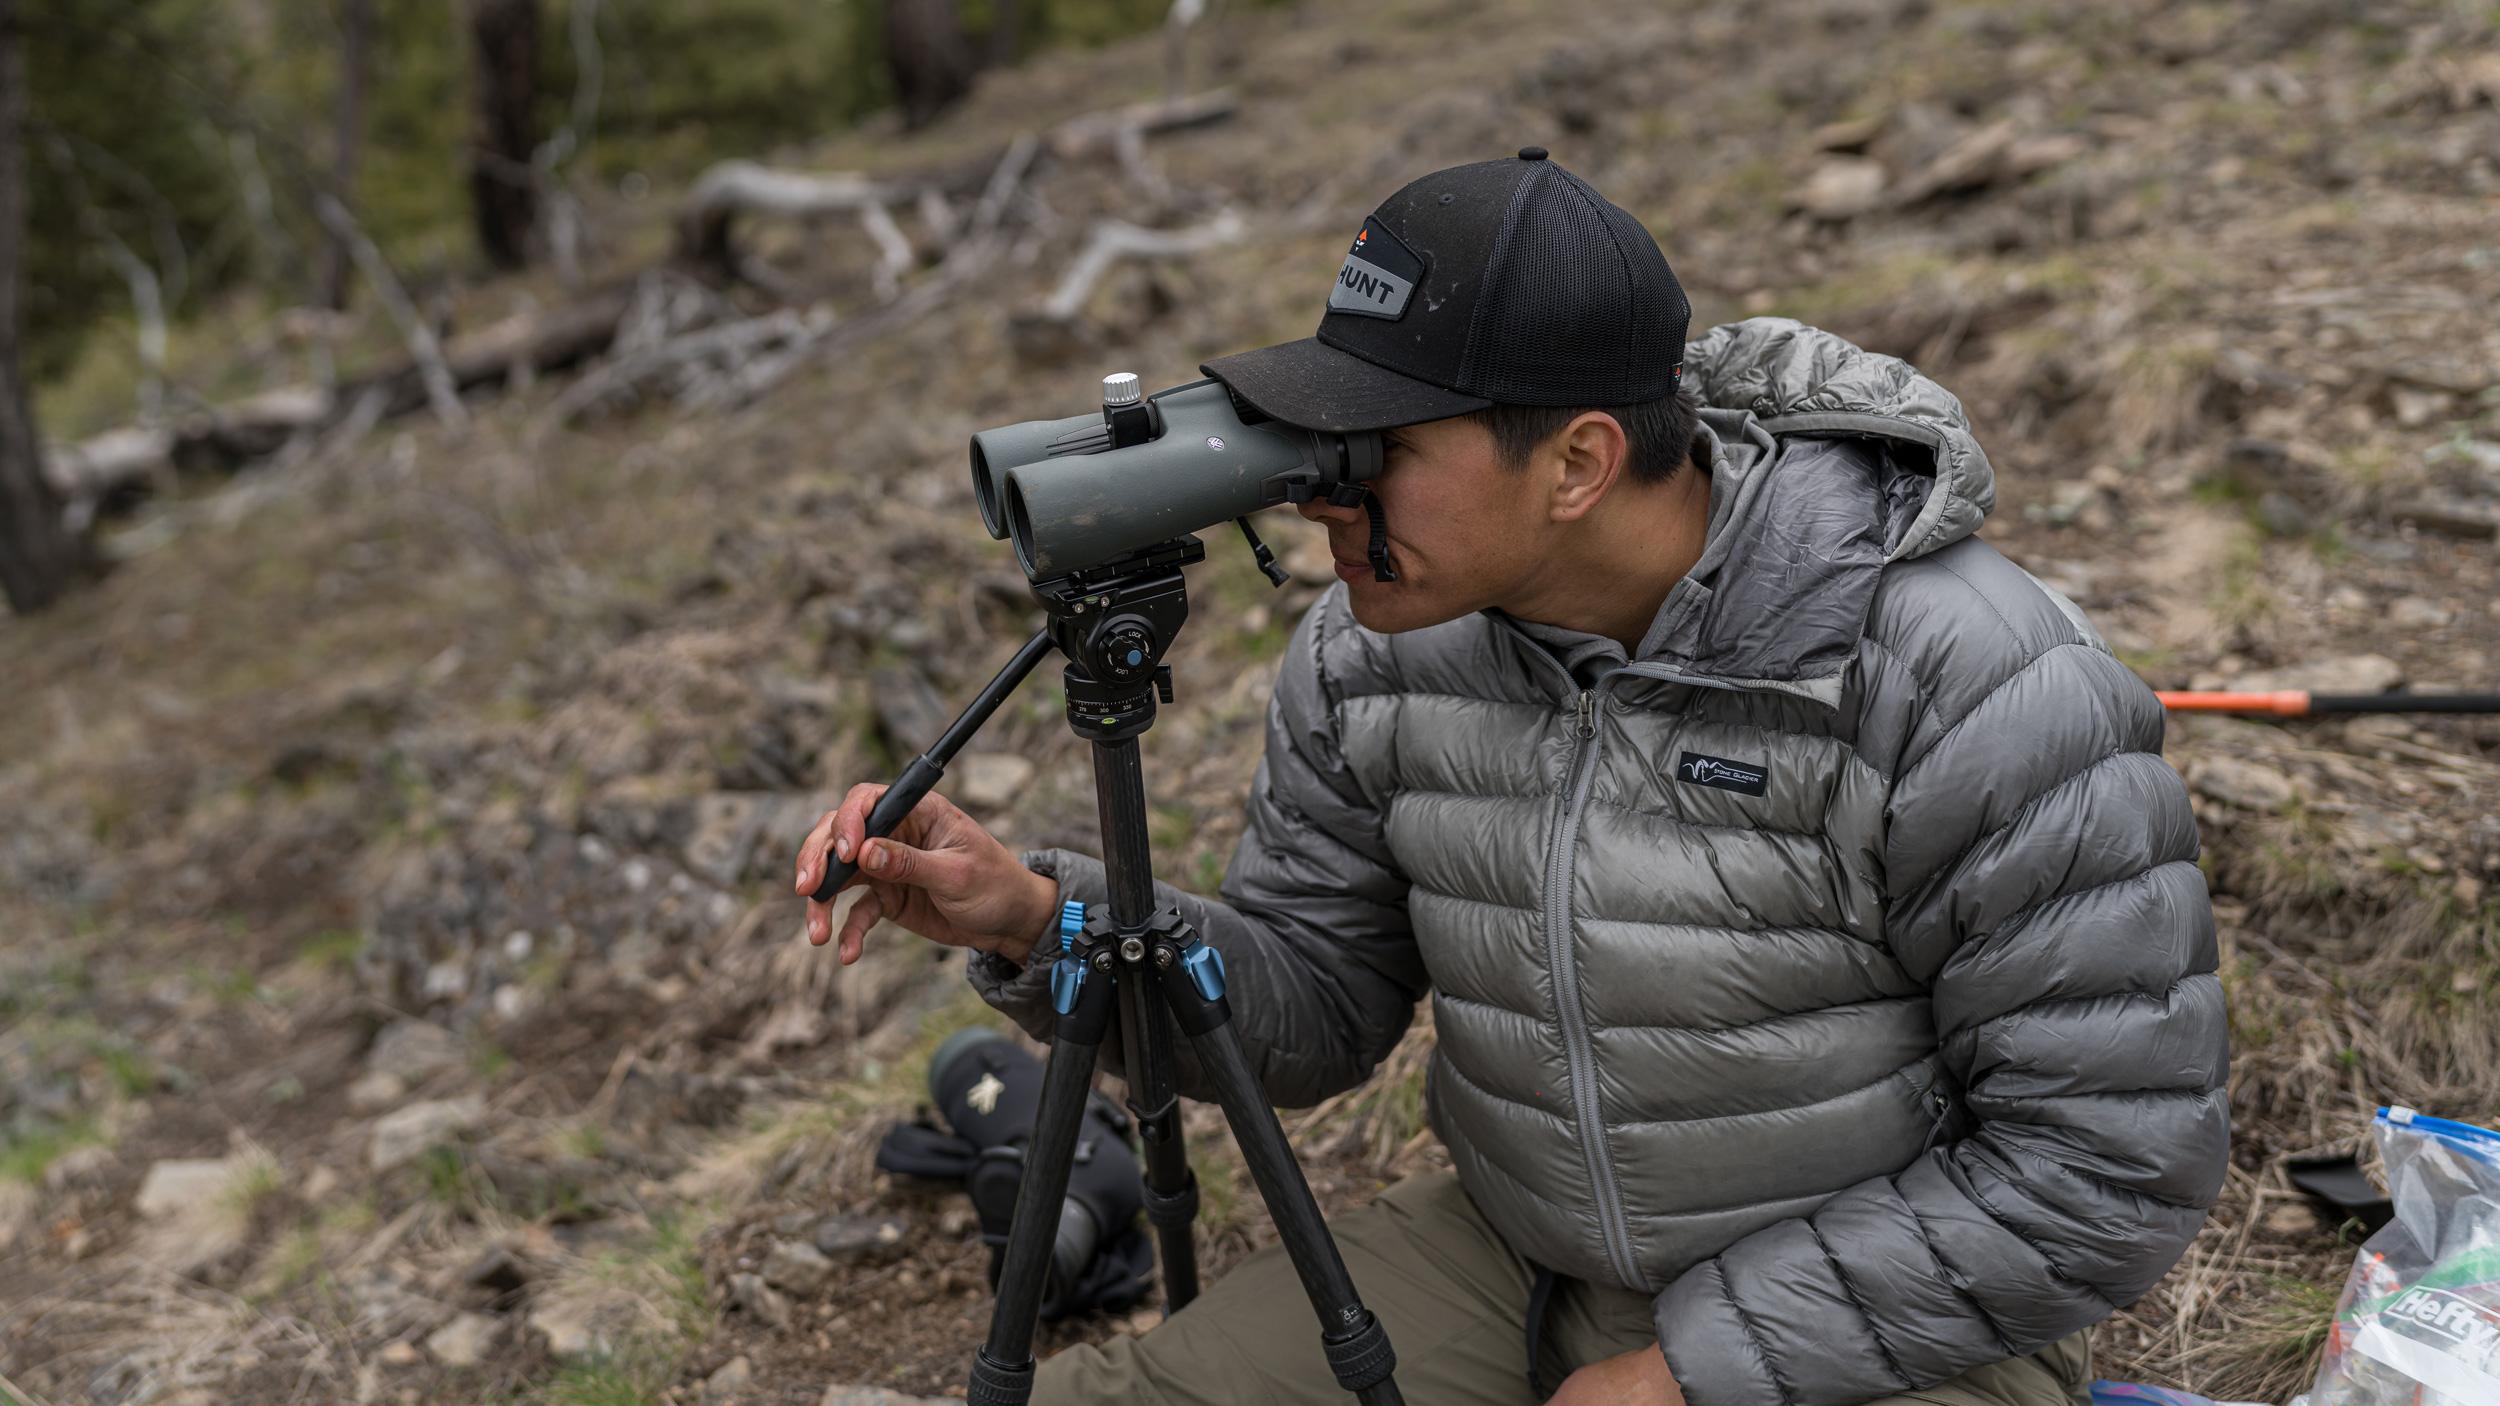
402,999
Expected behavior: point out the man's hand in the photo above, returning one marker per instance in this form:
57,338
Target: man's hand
939,874
1636,1378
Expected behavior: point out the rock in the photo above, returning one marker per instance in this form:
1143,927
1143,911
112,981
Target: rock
2241,783
854,1238
2080,502
797,1266
384,1305
2416,613
446,981
498,1271
2366,831
371,1093
2348,673
990,780
1849,133
585,1324
720,844
1840,188
400,1138
2293,1218
2468,889
2416,408
180,1185
2386,551
80,1166
20,1213
415,1050
464,1341
732,1381
320,1184
879,1396
750,1295
400,1354
2281,515
2470,518
909,711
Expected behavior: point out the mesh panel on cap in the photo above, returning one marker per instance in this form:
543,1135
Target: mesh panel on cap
1569,315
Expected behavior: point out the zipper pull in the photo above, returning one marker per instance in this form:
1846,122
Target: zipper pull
1588,712
1938,1100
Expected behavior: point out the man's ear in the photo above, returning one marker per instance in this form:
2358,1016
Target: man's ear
1589,457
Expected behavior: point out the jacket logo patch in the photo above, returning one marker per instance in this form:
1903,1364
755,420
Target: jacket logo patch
1722,773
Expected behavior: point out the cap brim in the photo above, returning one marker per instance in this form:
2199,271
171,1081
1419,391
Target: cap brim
1314,385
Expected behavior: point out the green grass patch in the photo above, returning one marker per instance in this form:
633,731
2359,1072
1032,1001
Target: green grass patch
331,949
26,1155
664,1269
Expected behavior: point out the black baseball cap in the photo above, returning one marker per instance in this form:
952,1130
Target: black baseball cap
1504,281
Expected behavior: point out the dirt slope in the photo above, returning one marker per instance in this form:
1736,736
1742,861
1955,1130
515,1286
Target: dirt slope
401,998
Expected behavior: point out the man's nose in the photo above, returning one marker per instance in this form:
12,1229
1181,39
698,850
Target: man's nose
1321,510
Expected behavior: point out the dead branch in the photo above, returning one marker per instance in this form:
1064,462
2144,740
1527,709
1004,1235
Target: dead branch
694,368
895,255
733,188
124,464
737,188
422,348
1046,332
1095,132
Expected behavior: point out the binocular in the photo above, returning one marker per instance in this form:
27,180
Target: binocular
1078,493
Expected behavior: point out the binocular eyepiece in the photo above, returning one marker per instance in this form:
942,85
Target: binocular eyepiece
1077,493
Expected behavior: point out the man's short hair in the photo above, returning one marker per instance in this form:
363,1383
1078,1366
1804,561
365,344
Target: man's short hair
1657,434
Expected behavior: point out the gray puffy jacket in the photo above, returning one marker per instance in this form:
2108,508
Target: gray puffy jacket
1837,969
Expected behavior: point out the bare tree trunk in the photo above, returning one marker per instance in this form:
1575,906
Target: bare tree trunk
355,34
40,558
1006,32
930,59
502,181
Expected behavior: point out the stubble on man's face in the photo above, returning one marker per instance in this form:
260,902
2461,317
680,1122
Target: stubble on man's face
1463,530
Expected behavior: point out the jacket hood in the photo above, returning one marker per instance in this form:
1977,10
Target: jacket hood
1827,462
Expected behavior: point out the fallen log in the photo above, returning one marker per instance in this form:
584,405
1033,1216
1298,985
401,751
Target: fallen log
733,189
114,470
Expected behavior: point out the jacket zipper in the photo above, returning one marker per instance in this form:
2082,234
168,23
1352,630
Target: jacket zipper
1585,1114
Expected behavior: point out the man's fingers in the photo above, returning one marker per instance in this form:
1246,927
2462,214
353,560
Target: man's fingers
893,862
812,852
819,922
864,915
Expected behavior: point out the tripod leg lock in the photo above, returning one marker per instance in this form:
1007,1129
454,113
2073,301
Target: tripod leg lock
1177,1208
996,1385
1362,1359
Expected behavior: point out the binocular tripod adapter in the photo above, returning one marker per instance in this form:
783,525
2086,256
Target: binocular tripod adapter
1101,509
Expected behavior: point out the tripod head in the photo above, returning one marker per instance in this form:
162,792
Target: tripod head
1114,624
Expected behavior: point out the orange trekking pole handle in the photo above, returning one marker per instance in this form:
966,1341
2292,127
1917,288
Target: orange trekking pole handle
2300,703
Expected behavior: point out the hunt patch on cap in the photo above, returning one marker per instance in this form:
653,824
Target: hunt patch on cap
1379,275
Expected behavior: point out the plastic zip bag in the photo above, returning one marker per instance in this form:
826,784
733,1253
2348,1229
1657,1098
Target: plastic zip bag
2419,1322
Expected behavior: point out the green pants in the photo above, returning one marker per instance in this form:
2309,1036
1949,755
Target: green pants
1454,1299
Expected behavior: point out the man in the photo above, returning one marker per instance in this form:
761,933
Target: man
1822,977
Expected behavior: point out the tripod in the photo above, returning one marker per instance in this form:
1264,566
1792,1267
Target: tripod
1137,966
